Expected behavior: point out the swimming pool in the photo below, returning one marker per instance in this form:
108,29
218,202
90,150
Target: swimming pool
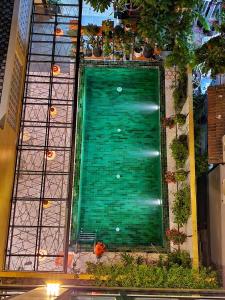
118,180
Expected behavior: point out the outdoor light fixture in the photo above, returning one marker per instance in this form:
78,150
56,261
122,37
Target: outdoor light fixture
59,31
42,254
53,111
26,136
56,70
46,203
53,289
50,154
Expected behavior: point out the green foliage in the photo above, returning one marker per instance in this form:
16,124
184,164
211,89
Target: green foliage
180,119
148,276
179,258
53,2
99,5
179,150
212,55
180,175
176,236
119,31
201,164
91,30
127,259
180,91
181,206
107,49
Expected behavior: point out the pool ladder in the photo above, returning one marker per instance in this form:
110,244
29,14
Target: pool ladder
85,238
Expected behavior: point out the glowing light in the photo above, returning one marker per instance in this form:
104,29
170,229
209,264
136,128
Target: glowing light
56,70
117,229
50,154
119,130
145,107
118,176
53,289
53,111
119,89
26,136
58,31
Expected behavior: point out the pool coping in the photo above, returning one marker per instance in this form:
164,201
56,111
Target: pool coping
164,188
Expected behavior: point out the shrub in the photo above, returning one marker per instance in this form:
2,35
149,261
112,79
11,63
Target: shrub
148,276
91,30
180,119
180,91
179,258
176,236
180,175
179,150
127,259
181,206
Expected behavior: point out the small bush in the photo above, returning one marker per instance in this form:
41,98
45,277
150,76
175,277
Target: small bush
180,175
180,91
179,150
179,258
181,206
180,119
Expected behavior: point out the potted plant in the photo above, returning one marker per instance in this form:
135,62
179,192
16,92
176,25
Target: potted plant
88,51
118,55
138,51
148,51
170,177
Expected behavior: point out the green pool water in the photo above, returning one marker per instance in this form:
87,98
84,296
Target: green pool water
118,186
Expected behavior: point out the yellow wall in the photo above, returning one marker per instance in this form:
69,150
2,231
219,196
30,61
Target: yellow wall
8,140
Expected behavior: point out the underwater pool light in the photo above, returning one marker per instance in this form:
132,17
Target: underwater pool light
119,130
117,229
119,89
118,176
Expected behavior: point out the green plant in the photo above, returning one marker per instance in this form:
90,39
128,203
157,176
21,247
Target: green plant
201,164
179,258
107,49
119,32
180,119
176,236
180,91
91,30
180,175
181,206
212,56
127,259
148,276
179,150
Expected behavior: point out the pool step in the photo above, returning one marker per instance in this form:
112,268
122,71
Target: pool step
85,238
